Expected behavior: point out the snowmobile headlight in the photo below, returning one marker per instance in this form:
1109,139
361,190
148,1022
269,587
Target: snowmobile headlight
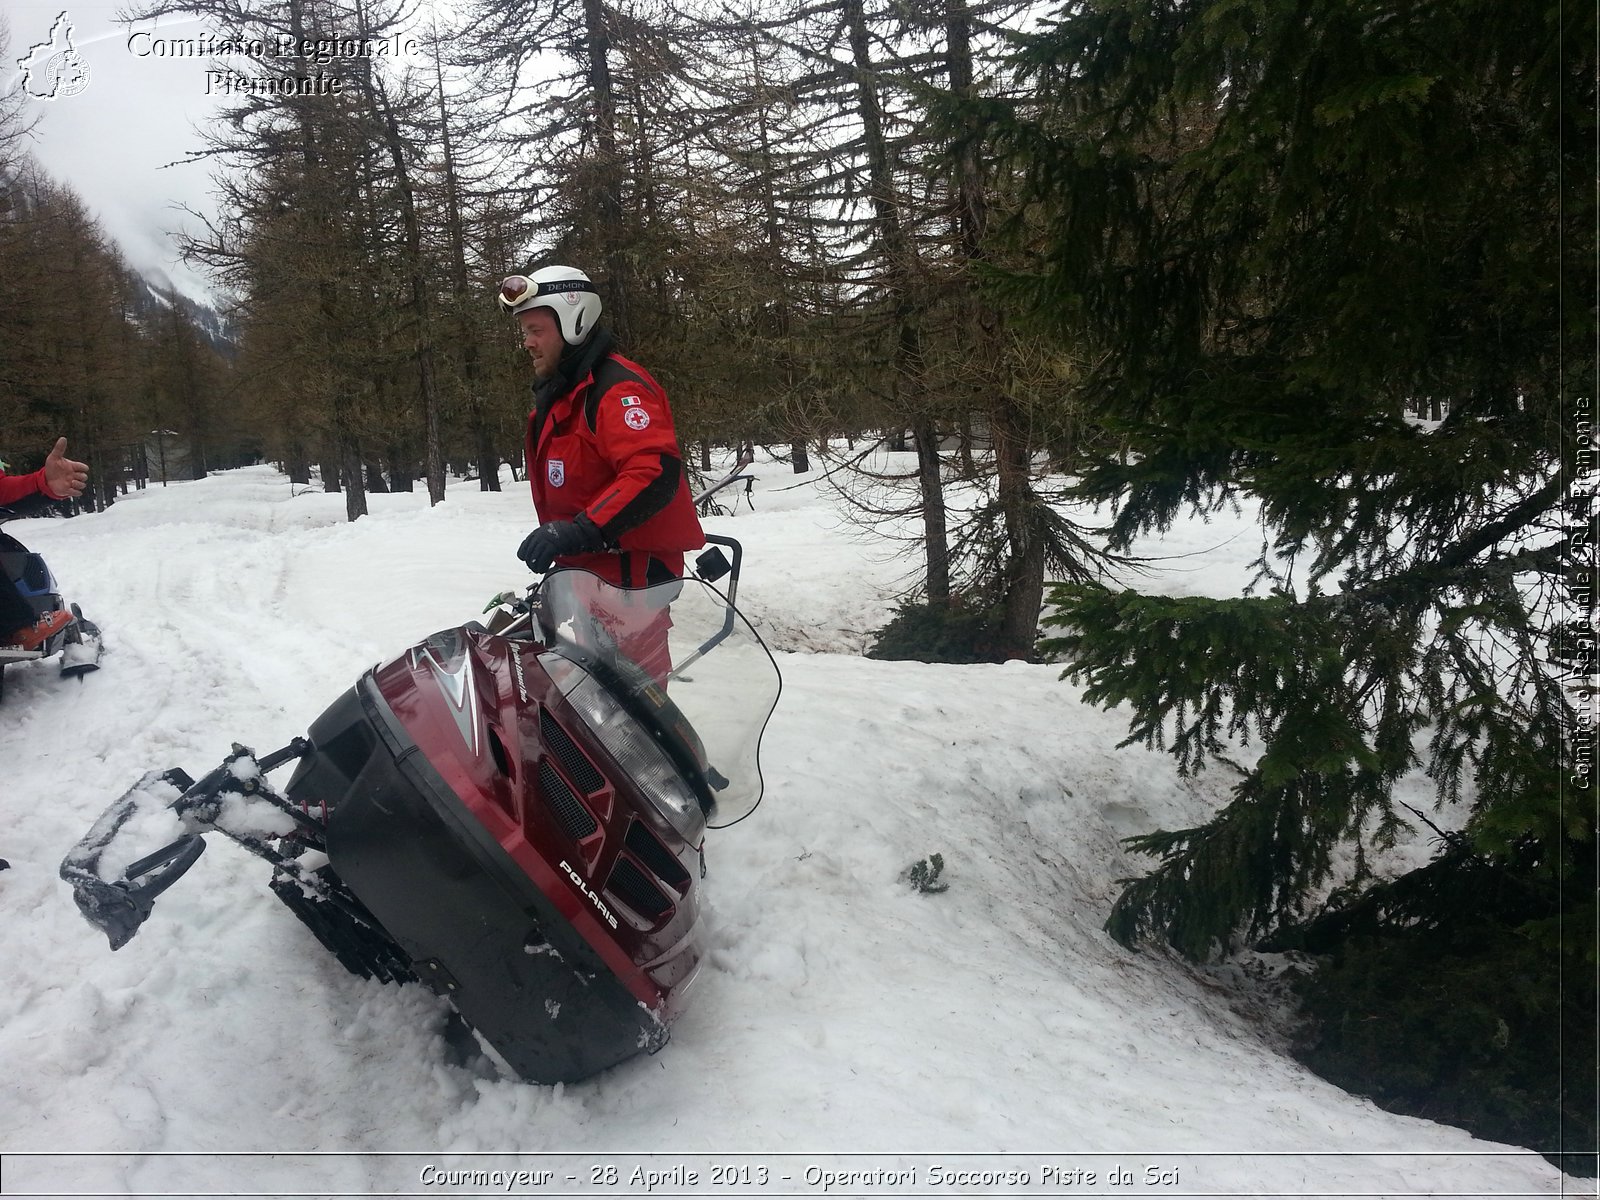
629,742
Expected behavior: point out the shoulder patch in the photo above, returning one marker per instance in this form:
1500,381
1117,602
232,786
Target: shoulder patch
630,401
637,418
608,373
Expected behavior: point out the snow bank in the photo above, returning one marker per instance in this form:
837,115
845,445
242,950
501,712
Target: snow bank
840,1009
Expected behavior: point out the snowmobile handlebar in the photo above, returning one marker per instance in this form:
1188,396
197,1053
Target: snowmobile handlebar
527,608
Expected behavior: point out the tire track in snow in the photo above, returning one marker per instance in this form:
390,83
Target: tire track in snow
206,644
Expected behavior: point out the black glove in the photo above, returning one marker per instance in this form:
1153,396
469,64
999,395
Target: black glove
555,539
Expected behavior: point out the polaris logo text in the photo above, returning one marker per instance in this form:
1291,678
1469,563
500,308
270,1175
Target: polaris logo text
584,888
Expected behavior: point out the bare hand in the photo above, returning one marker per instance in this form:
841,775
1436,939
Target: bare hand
62,476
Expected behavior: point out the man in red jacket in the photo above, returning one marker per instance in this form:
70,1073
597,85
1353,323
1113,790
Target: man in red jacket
603,458
59,479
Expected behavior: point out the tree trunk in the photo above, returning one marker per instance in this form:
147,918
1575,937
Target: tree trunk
355,494
402,474
1024,568
930,482
349,450
773,224
477,408
899,260
345,467
416,269
488,456
615,289
1023,572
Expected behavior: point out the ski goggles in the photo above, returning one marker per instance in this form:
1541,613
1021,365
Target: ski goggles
516,290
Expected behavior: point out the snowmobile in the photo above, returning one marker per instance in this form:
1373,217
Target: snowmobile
78,642
512,813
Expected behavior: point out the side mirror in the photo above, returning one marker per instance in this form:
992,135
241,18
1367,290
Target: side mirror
712,565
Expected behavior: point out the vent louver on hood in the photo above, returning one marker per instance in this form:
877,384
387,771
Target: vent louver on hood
573,760
574,818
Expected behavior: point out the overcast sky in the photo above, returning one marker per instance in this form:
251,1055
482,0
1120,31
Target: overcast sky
112,142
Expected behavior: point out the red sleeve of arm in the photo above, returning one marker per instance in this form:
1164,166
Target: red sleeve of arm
634,434
15,487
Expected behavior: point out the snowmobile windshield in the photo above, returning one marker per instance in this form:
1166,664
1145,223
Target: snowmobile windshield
682,661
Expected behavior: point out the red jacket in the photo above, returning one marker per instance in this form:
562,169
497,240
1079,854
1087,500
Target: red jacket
15,487
607,448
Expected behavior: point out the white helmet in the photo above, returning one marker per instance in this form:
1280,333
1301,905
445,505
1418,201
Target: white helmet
565,291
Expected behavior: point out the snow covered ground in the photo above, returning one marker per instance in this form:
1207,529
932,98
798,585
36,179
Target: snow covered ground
845,1022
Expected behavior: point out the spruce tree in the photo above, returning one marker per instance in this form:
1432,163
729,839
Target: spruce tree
1282,231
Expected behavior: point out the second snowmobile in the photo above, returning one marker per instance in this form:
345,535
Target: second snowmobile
78,642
